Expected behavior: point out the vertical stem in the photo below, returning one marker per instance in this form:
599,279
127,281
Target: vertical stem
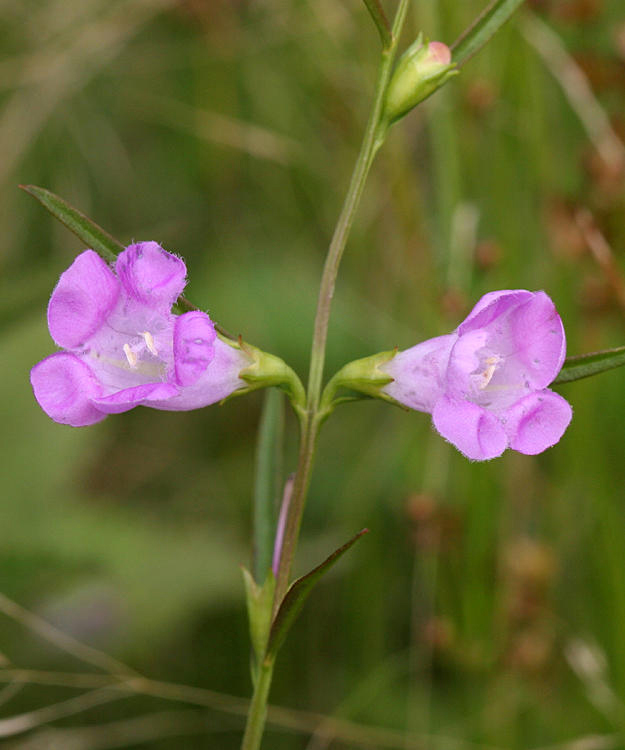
372,140
311,420
258,709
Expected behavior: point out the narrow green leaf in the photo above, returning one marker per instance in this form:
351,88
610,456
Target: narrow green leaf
84,228
297,594
376,11
267,480
486,25
93,235
585,365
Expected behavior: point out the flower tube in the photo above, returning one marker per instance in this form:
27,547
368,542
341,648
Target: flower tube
485,384
123,347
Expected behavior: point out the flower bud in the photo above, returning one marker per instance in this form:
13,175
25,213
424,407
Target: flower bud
421,70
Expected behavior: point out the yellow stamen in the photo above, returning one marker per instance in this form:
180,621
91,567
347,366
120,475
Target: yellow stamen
149,342
488,373
130,355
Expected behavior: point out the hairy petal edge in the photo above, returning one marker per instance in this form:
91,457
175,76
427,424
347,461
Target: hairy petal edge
64,387
475,431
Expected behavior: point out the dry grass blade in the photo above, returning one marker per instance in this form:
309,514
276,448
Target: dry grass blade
9,691
602,253
575,85
51,77
590,742
278,717
118,734
231,132
61,640
27,721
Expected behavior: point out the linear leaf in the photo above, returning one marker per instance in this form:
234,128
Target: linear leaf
486,25
92,234
376,12
84,228
296,596
585,365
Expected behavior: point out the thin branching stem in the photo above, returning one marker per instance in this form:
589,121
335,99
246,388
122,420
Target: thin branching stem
370,144
311,421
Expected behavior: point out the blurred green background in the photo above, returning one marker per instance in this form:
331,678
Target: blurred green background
486,608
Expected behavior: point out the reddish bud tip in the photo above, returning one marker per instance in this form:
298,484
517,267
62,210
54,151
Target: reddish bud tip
439,52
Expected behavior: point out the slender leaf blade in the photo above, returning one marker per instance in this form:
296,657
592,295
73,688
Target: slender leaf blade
267,480
84,228
585,365
485,26
93,235
297,594
376,11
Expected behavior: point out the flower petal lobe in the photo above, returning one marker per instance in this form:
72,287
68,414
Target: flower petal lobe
492,306
539,335
475,431
81,301
151,275
537,421
194,334
64,386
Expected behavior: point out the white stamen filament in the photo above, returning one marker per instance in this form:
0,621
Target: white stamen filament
488,373
130,355
149,342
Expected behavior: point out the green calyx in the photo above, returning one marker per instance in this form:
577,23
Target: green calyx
267,370
421,70
362,375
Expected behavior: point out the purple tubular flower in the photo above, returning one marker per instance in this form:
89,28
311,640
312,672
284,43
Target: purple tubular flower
122,345
485,384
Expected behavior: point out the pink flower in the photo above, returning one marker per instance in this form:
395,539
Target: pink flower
122,345
485,384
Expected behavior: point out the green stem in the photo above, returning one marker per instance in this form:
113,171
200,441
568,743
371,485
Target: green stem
311,420
372,140
258,709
